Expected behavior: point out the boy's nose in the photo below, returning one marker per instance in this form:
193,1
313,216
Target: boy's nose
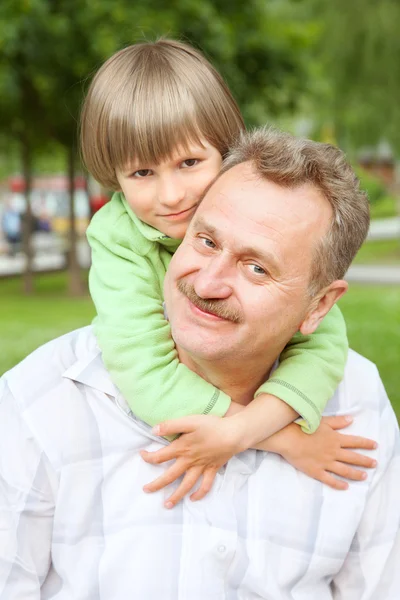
171,193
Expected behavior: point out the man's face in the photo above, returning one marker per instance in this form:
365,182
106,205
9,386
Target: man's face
238,284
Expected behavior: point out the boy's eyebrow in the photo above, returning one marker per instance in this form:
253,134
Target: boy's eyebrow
257,253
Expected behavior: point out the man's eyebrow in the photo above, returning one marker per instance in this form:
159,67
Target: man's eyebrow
262,255
201,223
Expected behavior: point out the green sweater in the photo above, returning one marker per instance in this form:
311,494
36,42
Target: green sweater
129,262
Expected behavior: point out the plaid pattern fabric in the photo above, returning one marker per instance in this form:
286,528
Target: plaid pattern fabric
75,523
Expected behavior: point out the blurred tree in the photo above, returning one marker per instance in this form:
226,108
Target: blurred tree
49,48
359,54
20,111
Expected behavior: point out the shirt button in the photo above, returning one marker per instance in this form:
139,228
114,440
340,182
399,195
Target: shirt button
221,548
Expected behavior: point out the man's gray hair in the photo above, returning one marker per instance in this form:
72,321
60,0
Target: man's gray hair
290,162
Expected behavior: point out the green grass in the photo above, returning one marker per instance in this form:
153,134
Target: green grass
384,252
28,322
372,315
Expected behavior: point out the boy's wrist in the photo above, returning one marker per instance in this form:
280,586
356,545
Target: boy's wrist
282,442
243,430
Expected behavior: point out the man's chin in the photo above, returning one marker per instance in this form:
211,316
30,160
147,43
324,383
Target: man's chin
199,344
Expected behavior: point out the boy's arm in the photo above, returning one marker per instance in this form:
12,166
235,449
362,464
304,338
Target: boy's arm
310,369
132,332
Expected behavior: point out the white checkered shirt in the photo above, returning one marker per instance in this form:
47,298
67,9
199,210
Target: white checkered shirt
76,525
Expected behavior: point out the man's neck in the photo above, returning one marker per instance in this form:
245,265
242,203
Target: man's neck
239,381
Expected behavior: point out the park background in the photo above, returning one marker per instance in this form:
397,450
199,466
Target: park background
321,69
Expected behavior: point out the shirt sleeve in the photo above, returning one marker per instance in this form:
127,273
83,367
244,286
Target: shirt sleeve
310,369
26,505
131,329
371,569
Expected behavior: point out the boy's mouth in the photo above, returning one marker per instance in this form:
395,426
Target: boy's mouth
181,214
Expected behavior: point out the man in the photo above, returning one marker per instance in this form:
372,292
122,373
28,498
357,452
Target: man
267,246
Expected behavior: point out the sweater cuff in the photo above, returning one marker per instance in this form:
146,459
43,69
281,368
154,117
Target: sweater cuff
310,417
218,404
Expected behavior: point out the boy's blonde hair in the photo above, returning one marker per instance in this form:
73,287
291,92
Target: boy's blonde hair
149,99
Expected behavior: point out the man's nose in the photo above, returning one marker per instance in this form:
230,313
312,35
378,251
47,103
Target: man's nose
214,280
171,191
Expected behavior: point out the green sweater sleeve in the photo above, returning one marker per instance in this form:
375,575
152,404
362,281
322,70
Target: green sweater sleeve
310,369
125,282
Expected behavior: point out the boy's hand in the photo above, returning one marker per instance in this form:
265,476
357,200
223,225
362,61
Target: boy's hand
207,442
327,452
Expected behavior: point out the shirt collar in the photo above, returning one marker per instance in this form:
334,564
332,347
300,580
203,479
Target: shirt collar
91,371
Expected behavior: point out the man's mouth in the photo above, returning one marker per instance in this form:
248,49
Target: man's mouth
213,309
206,313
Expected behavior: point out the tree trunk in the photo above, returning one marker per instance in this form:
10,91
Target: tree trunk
75,284
27,219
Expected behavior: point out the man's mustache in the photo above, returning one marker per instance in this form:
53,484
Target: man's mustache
217,307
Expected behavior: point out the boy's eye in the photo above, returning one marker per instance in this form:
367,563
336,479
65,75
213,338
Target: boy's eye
142,173
190,162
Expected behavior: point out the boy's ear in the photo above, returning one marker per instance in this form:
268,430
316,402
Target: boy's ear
322,304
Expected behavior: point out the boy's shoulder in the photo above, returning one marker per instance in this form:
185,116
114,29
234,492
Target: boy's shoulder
111,214
113,224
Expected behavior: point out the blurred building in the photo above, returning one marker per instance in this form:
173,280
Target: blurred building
50,201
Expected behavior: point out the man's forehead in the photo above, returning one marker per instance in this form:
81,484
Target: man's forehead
242,190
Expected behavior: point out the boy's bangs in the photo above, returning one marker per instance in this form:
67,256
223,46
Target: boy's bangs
151,131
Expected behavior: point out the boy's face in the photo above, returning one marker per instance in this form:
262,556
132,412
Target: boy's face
166,196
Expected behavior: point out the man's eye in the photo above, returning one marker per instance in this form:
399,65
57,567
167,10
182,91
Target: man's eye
207,242
257,270
190,162
142,173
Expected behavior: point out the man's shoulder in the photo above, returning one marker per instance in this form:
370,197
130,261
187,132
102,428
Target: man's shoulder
43,369
59,394
359,364
361,387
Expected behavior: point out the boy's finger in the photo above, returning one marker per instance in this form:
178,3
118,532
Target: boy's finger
174,426
159,456
347,472
354,458
189,480
166,478
333,482
356,441
206,485
338,422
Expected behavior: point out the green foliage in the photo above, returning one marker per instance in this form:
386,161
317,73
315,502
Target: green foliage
374,187
50,48
383,205
359,54
385,208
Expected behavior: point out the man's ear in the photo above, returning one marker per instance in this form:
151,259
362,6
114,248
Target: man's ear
322,305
